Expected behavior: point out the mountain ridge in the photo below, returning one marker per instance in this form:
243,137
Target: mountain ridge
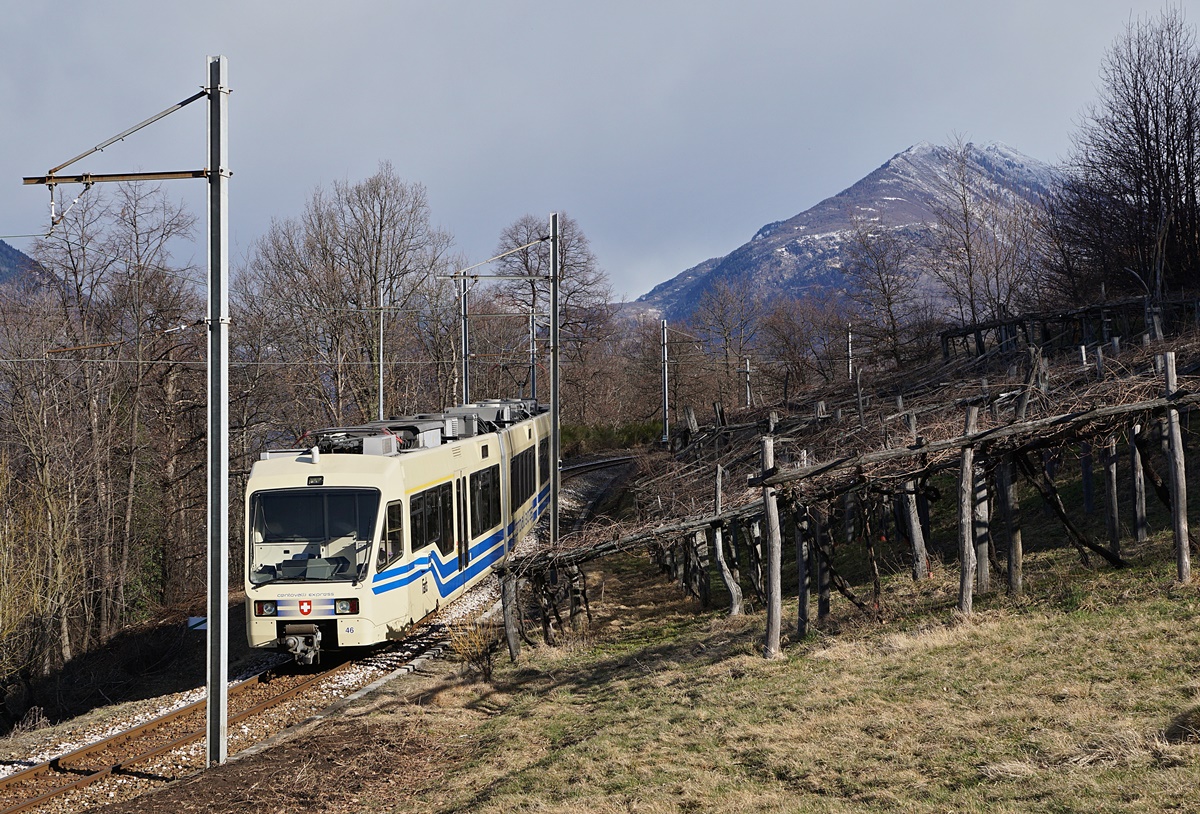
13,262
796,255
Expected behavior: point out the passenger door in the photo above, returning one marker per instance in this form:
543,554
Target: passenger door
461,537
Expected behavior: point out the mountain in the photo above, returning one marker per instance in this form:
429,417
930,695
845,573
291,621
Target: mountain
13,262
803,253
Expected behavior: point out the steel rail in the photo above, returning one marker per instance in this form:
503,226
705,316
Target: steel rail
63,763
590,466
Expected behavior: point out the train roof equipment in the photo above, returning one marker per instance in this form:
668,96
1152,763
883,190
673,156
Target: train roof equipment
400,434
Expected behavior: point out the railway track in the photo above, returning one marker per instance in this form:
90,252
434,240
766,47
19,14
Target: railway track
572,470
157,752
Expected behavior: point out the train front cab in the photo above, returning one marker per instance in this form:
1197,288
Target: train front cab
351,550
312,527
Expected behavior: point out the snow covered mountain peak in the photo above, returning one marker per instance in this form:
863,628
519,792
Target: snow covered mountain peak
802,253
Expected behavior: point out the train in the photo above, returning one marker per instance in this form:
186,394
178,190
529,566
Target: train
360,532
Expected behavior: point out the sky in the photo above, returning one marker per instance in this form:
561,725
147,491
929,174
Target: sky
670,130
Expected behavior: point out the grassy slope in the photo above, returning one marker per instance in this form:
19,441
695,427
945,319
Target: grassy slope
1058,704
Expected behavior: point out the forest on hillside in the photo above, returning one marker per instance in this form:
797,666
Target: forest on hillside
102,345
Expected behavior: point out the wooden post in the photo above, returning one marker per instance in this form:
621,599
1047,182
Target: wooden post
920,557
756,560
1086,480
1140,525
1178,478
801,524
966,517
916,539
699,582
982,530
727,576
862,414
1035,360
734,560
1006,488
771,649
850,516
817,526
1111,516
508,598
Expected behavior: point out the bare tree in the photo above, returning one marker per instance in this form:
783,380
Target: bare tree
87,340
727,321
585,310
1131,200
806,336
321,280
982,247
880,268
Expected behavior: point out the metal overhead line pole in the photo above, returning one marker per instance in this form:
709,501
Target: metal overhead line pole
218,411
380,389
666,417
554,382
217,173
466,345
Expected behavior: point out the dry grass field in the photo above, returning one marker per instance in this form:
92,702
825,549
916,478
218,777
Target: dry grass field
1084,696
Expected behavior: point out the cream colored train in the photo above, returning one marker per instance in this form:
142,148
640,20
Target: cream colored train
366,530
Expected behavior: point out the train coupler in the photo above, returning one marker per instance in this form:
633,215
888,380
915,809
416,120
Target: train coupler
303,642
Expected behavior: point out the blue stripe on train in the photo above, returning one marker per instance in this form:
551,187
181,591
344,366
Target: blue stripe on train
446,575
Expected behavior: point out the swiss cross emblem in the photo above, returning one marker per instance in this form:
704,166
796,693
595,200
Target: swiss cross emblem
305,607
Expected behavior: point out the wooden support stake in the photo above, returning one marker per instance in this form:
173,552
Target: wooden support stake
966,517
982,530
912,519
1086,479
1111,515
727,575
1178,477
1140,524
511,610
1006,498
800,523
850,516
818,528
771,648
699,582
756,560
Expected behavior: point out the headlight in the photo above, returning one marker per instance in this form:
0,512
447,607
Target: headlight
265,607
344,606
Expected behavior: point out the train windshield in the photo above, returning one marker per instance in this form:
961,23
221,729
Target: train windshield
311,534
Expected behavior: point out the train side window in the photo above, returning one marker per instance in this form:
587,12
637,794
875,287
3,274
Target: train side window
417,533
485,500
544,460
431,516
392,546
445,519
521,478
